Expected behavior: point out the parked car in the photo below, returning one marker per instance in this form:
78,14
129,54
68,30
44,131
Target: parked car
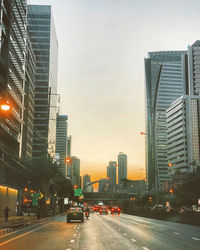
75,213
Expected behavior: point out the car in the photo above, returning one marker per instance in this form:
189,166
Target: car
75,213
103,210
115,210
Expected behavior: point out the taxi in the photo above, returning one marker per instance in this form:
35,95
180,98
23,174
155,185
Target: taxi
75,213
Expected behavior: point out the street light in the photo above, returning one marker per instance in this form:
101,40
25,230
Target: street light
170,164
5,107
68,160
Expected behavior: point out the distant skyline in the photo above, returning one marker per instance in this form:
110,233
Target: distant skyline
102,45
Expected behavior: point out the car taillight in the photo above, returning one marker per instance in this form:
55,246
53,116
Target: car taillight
118,209
100,210
112,210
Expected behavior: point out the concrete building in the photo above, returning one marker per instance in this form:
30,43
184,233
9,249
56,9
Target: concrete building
112,172
61,141
44,41
183,126
122,167
164,84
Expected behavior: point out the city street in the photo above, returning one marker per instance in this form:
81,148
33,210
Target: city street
104,232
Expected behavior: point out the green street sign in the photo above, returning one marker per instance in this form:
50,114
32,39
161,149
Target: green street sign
78,192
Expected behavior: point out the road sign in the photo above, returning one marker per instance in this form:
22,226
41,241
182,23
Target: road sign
78,192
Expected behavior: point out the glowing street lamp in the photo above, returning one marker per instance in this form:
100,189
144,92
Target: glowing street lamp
5,107
68,160
170,164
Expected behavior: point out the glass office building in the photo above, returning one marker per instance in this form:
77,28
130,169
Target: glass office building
164,84
45,46
61,142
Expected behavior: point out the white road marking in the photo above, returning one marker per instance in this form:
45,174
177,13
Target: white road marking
74,235
176,233
194,238
133,240
145,248
124,234
71,241
22,235
68,249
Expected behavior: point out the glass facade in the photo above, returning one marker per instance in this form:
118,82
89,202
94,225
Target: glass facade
61,141
13,22
45,46
163,85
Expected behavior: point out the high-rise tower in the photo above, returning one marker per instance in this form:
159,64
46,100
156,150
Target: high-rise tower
164,84
45,46
61,141
122,167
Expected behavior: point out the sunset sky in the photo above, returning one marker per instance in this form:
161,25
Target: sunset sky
102,45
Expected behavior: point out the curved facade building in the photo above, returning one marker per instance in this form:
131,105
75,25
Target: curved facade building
164,84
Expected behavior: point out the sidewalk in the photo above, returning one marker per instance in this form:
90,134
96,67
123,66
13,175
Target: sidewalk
27,219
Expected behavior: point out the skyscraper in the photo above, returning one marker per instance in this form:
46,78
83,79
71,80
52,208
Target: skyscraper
29,101
61,141
75,171
183,128
122,167
13,23
164,84
86,181
69,143
111,172
44,41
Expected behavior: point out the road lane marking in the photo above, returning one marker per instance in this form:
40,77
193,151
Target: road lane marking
71,241
176,233
194,238
145,248
133,240
17,231
22,235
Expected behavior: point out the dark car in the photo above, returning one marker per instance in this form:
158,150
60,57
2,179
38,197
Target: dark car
115,210
75,213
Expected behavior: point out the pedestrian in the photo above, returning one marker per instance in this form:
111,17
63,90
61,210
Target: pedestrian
6,211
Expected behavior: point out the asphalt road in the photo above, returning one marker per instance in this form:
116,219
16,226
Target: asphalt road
104,232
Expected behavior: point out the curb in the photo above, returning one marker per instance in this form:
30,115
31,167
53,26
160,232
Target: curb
9,229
